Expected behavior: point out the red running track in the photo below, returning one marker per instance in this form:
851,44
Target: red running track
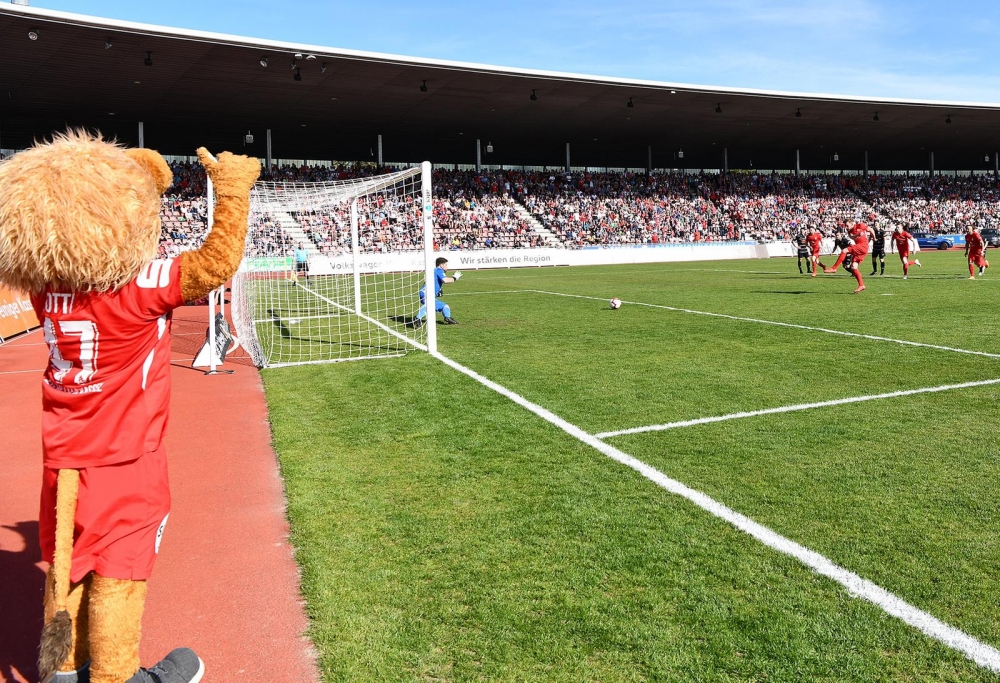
225,582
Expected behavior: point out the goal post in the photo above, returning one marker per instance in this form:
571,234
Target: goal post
430,287
332,271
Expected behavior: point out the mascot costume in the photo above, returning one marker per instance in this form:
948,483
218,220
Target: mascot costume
79,227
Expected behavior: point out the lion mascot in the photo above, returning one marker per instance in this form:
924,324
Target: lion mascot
79,226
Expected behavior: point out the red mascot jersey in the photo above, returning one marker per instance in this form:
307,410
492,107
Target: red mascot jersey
106,391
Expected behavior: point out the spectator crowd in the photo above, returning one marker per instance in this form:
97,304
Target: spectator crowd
518,209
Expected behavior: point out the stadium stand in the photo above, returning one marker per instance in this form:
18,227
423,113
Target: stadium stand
492,209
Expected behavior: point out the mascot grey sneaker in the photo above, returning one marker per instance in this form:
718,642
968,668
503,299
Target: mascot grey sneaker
81,675
180,666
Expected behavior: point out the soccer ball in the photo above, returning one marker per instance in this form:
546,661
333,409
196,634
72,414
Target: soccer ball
616,303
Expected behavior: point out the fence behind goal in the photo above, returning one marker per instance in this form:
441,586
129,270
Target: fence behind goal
339,305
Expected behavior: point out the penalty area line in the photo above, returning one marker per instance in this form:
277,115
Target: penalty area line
775,323
498,291
982,654
792,408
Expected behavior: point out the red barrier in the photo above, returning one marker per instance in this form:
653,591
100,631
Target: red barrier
16,314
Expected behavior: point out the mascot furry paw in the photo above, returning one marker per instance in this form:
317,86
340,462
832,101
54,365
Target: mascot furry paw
79,226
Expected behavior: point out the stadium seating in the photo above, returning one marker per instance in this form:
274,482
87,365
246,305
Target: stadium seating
491,209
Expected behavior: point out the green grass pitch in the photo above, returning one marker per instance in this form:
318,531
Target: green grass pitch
447,534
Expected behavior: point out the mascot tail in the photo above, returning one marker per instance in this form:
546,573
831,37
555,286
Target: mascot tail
57,636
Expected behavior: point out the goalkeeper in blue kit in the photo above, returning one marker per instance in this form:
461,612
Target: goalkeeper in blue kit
440,279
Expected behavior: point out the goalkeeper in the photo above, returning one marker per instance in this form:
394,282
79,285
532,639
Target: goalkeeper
440,279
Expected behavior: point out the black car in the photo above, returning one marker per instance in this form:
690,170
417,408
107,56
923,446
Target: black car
991,236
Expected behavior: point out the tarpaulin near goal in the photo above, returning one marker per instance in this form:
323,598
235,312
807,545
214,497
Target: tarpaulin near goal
16,314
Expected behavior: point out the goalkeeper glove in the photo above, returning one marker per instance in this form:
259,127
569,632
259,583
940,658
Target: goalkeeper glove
457,275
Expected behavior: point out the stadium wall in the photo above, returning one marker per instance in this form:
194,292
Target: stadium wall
533,258
528,258
16,313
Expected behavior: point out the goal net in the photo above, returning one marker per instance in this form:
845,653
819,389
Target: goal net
332,271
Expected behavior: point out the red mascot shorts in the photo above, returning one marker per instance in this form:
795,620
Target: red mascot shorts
120,516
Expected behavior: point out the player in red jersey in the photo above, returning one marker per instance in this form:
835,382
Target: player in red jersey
815,241
854,255
901,240
975,248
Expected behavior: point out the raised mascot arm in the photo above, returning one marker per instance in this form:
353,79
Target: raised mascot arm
205,269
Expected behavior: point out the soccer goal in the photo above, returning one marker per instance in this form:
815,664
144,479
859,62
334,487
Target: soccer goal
332,271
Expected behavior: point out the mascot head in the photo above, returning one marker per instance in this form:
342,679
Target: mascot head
79,214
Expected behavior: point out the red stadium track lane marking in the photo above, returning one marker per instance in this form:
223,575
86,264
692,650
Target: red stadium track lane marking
773,322
21,337
982,654
793,408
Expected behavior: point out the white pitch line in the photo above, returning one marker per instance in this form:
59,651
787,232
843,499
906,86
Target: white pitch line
778,324
982,654
793,408
728,270
498,291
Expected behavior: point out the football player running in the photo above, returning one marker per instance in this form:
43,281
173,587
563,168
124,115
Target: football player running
901,239
975,251
815,242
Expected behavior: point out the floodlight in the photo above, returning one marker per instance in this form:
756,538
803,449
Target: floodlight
33,34
263,62
718,109
489,148
533,97
423,87
322,68
680,154
798,113
630,103
107,44
148,61
948,120
298,75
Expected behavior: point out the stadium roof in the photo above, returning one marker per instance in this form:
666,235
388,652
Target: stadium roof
208,88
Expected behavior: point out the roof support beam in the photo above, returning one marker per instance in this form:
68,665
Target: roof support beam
268,158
